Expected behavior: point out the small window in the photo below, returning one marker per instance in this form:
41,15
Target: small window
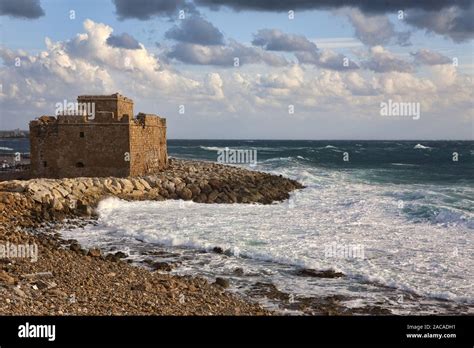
81,134
80,165
45,164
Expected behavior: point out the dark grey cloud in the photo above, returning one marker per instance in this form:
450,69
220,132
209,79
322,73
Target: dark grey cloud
450,18
146,9
123,41
454,22
275,40
305,50
223,55
196,29
29,9
428,57
370,6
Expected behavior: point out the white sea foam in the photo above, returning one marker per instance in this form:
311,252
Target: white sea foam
6,148
212,148
419,146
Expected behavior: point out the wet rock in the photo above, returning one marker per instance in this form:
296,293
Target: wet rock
306,272
83,208
218,250
161,266
121,255
239,271
222,282
112,258
94,252
75,247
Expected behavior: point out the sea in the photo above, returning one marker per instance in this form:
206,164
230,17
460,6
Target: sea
395,218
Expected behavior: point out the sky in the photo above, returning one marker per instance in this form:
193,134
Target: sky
220,69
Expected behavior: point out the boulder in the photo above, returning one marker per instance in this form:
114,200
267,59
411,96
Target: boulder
127,185
222,282
185,193
94,252
195,190
212,196
145,184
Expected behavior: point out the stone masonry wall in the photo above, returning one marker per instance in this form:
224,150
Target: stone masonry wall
76,150
119,105
148,150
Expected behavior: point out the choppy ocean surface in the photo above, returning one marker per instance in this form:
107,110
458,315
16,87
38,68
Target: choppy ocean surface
397,219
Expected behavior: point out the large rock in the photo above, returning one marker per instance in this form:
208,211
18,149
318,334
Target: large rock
127,185
145,184
169,186
195,190
212,196
185,193
138,185
13,186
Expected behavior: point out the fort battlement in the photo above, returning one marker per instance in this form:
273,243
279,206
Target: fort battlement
109,142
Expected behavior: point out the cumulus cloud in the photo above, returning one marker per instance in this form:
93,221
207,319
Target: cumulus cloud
197,30
382,61
29,9
327,59
224,55
429,57
276,40
305,50
87,64
123,41
375,29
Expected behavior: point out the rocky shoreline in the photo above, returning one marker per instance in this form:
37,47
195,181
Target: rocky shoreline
67,280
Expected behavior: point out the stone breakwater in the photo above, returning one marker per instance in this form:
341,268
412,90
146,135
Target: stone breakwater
69,280
202,182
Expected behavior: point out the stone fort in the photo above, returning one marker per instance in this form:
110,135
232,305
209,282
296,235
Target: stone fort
112,142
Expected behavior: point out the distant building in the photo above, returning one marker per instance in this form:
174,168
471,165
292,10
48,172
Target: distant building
107,142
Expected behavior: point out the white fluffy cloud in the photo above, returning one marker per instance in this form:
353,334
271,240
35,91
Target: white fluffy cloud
86,64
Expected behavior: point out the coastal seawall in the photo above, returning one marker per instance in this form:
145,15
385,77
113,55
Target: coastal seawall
202,182
66,279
